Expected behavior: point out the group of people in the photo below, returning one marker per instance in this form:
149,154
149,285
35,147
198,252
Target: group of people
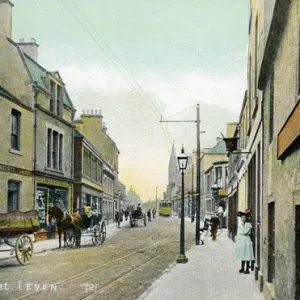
151,212
119,214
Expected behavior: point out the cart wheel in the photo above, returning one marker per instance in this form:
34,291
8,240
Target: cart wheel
102,232
96,235
24,249
70,241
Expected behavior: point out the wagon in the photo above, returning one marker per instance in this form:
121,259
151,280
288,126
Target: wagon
91,225
136,215
15,228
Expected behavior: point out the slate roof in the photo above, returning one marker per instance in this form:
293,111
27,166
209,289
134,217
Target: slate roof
38,74
220,148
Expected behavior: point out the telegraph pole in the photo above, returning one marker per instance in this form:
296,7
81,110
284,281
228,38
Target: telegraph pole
156,208
198,200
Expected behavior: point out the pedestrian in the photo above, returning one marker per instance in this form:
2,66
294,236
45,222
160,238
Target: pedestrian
220,215
244,247
153,213
149,215
214,223
117,218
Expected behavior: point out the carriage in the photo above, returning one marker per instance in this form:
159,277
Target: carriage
91,225
136,215
15,228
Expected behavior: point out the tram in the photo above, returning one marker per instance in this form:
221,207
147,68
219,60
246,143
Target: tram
165,208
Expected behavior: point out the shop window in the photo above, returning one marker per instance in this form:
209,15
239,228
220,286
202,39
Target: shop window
13,195
15,129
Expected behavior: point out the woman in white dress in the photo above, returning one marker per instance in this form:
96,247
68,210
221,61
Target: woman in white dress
244,247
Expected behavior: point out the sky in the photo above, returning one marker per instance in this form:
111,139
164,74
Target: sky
143,61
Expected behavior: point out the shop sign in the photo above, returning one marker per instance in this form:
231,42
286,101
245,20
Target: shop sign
223,193
15,170
289,133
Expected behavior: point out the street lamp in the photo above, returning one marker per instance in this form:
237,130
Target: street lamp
182,162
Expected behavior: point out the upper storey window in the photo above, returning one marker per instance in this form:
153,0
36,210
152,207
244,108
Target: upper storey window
15,130
56,99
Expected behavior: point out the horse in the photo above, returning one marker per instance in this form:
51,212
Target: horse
65,223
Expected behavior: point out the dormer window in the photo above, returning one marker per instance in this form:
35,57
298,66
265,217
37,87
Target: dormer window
52,96
56,99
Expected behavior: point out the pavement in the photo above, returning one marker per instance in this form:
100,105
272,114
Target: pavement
52,244
211,273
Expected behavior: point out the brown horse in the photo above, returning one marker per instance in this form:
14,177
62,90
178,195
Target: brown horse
65,222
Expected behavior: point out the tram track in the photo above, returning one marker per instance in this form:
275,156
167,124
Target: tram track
92,295
161,243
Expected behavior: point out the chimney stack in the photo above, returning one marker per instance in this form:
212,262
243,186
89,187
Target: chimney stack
30,48
5,18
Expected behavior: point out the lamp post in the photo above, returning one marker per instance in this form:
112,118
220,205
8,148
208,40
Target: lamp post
182,162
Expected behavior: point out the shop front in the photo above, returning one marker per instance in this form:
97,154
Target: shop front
93,198
49,194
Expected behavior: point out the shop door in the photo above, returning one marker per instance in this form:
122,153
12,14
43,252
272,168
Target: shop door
271,242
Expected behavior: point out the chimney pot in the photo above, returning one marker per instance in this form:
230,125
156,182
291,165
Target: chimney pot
32,40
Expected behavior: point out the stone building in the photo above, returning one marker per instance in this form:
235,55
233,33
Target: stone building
52,117
16,148
88,174
213,170
279,276
94,131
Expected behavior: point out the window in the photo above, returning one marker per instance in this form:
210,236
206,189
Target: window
52,96
13,195
15,130
56,99
226,176
208,185
59,100
55,149
61,140
219,176
49,145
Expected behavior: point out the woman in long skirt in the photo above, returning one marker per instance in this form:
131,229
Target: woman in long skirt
244,247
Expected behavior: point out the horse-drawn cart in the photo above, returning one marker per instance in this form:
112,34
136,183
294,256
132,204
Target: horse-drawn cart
136,215
73,226
15,228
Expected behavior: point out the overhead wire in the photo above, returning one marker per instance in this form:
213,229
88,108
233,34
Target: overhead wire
153,107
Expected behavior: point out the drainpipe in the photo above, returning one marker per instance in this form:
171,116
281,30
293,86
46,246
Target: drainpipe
35,93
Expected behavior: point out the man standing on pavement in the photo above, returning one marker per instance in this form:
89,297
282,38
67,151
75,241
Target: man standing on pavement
214,223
